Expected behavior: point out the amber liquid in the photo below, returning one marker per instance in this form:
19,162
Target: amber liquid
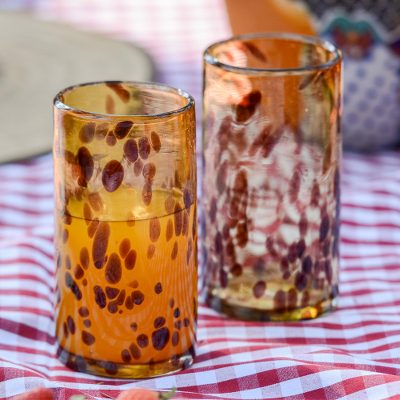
127,294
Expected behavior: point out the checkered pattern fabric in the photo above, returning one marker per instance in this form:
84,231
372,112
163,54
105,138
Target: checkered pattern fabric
353,353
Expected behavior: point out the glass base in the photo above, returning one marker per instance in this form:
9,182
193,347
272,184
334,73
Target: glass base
254,314
129,371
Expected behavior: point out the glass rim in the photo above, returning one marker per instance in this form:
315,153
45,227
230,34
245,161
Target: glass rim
308,39
61,105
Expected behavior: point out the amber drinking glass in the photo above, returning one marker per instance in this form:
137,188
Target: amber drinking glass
126,231
272,148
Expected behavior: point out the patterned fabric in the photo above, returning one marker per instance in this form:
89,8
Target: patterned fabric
387,11
352,353
367,33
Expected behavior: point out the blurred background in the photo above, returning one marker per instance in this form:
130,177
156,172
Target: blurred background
164,40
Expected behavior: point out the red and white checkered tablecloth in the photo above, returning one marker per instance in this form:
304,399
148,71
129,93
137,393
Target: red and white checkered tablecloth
353,353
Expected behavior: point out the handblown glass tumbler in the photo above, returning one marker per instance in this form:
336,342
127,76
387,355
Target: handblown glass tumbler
126,229
271,158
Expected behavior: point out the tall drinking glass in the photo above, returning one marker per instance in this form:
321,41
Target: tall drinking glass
125,234
272,148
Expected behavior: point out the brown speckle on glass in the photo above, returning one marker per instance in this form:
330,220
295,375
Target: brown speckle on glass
86,134
113,174
100,244
113,270
130,259
122,129
119,90
144,148
131,150
88,338
155,141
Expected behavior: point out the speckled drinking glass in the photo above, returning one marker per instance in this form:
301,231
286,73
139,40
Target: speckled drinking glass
125,228
272,148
